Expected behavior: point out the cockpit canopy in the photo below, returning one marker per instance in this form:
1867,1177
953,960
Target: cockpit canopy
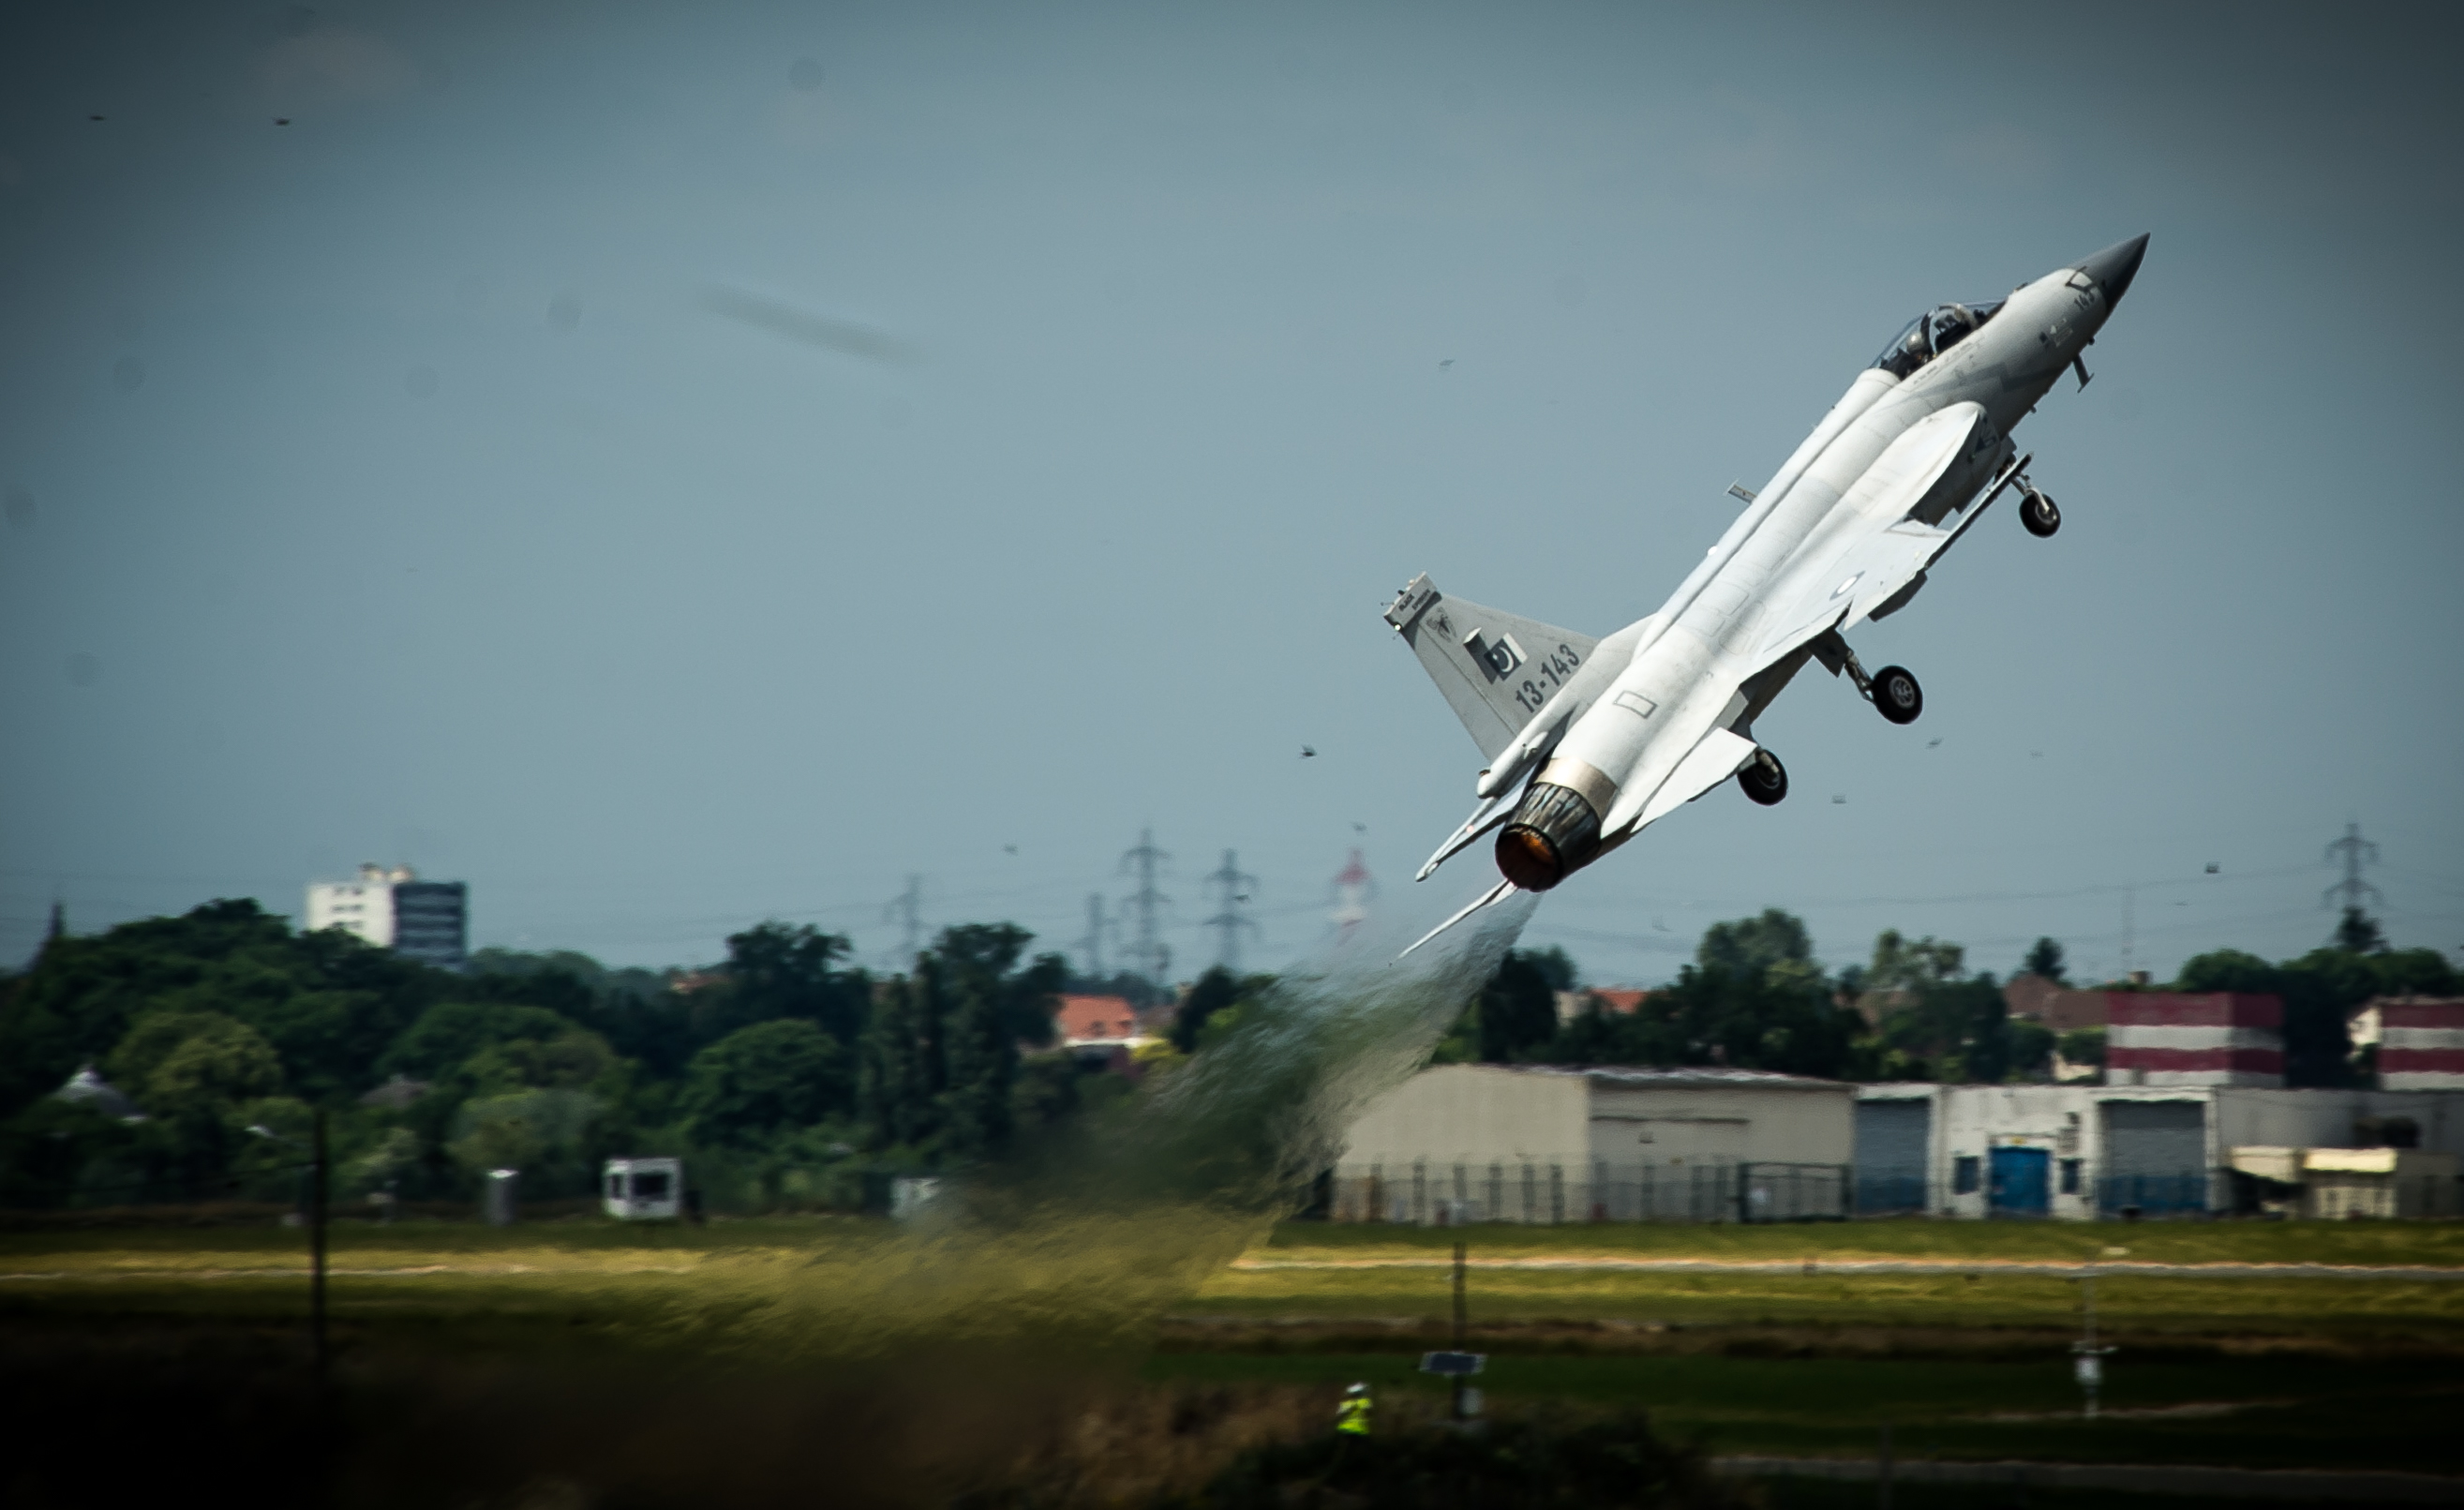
1931,334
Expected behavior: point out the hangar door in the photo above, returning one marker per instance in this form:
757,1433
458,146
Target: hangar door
2155,1158
1892,1141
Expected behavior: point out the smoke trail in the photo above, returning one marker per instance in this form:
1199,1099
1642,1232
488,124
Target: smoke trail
1086,1244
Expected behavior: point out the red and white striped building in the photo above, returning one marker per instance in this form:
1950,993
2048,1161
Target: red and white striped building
2420,1039
2166,1038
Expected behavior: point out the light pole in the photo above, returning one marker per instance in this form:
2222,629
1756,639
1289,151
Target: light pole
317,1194
2089,1366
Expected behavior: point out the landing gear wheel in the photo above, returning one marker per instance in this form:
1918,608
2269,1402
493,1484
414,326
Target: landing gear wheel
1896,696
1763,778
2038,512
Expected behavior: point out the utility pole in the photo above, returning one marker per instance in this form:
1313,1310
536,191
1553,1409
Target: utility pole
2352,852
1234,887
1092,947
908,910
1149,956
317,1190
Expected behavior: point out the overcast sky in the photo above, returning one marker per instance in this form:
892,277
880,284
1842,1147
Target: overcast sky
675,465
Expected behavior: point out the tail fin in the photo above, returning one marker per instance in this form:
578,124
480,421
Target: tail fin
1495,669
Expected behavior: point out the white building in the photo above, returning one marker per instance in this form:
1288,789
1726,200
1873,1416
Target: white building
2082,1152
1540,1144
426,920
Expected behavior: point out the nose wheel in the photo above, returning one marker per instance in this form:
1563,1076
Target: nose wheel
1763,778
2038,512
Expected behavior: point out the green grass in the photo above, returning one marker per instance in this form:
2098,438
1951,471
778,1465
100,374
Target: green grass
2296,1412
2322,1371
2435,1245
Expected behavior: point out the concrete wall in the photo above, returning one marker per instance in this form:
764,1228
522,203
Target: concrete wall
1681,1124
1472,1114
1483,1142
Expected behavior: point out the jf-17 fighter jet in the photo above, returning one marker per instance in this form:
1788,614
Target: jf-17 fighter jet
1590,741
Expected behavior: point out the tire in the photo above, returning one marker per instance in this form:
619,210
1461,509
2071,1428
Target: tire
1896,696
2040,516
1764,779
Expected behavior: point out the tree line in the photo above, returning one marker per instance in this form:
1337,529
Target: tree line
787,1076
1754,997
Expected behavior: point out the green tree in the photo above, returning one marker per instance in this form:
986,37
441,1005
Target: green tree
1213,991
448,1036
230,956
775,970
983,1067
1903,964
1750,946
1518,1008
2045,959
2084,1046
781,1074
900,1069
223,1062
2357,932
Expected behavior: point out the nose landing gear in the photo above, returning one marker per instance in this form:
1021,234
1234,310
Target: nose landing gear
2038,512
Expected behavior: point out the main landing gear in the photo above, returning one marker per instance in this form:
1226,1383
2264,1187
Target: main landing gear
1893,690
1763,778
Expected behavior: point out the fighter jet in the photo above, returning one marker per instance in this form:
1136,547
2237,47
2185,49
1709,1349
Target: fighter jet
1590,741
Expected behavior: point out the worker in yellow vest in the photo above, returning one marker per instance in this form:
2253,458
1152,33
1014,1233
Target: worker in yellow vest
1351,1416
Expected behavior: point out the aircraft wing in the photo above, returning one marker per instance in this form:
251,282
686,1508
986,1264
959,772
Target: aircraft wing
1496,669
1872,558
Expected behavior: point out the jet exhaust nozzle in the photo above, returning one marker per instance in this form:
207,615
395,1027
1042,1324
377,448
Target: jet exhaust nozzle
1555,833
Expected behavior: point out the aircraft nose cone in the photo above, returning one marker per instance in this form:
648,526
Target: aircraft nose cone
2115,266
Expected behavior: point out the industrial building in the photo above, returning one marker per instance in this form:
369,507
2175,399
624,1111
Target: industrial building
428,921
2083,1151
2420,1041
1463,1142
1522,1143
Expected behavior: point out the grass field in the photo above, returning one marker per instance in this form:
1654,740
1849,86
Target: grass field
1969,1361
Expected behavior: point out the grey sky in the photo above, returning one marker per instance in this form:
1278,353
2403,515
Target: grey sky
671,466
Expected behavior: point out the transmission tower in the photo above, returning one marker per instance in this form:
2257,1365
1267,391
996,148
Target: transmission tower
1231,886
1149,956
2352,852
906,909
1092,947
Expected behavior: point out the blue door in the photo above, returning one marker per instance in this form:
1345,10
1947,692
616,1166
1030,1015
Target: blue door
2022,1185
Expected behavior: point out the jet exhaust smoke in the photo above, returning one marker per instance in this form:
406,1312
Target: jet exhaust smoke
1084,1245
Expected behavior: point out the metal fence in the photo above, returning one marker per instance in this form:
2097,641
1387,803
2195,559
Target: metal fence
1426,1194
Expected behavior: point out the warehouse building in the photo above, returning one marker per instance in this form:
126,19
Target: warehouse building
1460,1143
2083,1151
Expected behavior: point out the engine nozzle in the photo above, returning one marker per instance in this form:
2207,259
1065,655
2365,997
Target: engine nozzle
1555,831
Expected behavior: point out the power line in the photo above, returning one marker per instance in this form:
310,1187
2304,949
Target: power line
1235,886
